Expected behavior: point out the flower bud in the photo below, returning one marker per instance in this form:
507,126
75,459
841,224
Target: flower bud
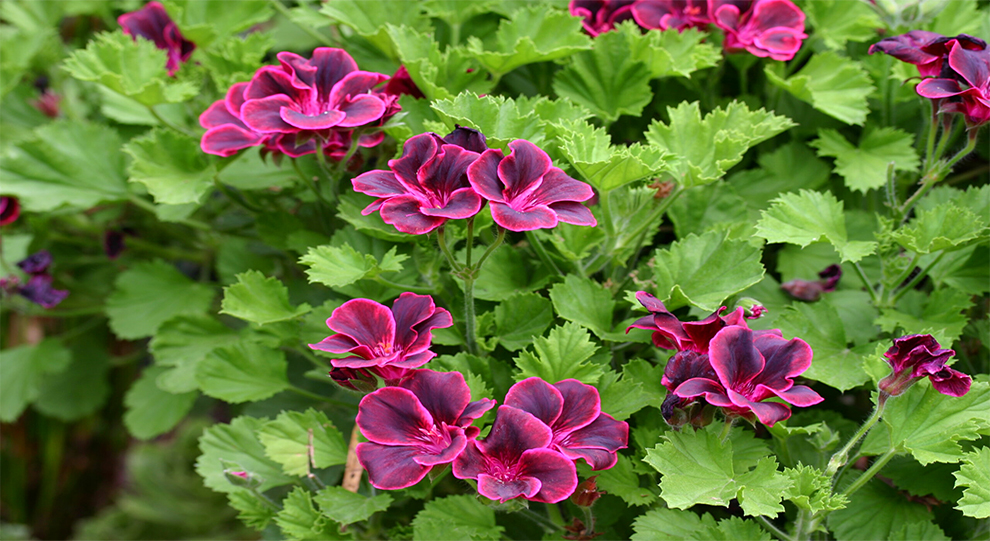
587,492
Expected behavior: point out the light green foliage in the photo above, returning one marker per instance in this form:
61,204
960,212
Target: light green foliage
171,166
30,28
674,525
564,353
243,372
347,507
181,343
235,59
303,440
151,411
959,17
918,531
83,387
251,510
717,206
531,34
151,293
704,270
670,53
875,512
236,444
299,519
819,324
521,317
975,476
258,299
943,312
337,266
66,164
371,18
864,167
501,119
622,397
456,11
507,272
808,217
945,227
22,373
456,518
838,22
584,302
203,21
702,149
621,480
438,74
601,164
789,168
835,85
135,69
700,468
811,490
930,425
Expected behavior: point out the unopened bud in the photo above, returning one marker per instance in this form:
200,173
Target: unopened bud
587,492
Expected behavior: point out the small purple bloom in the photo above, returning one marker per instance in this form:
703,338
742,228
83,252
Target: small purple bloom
811,291
917,356
526,192
36,263
427,186
47,103
679,411
765,28
153,23
600,15
573,412
665,14
380,337
926,50
10,210
972,100
424,422
514,460
672,333
750,368
39,290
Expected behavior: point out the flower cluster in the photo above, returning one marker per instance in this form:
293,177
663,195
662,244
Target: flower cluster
811,290
721,362
153,23
764,28
38,288
303,104
441,178
956,70
917,356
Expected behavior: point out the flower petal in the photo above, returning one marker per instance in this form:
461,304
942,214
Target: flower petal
228,139
393,416
784,359
440,319
218,115
354,84
973,66
447,170
332,65
685,365
573,213
271,81
470,463
433,457
535,396
939,88
443,394
361,110
483,175
767,412
322,121
556,474
799,395
416,151
463,203
474,410
582,405
500,490
378,184
713,391
391,468
951,382
265,115
367,322
523,169
558,186
403,212
734,357
414,360
409,310
603,433
538,217
514,432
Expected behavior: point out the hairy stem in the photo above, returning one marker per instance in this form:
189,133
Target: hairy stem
840,457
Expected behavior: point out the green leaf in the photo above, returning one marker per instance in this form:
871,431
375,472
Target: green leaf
235,59
242,372
236,443
974,474
171,165
506,272
838,22
946,227
203,21
670,52
622,397
337,266
705,270
259,300
251,509
717,206
934,479
531,34
621,480
811,490
151,411
501,119
699,468
456,518
299,519
584,302
835,85
438,74
671,525
22,370
943,313
347,507
133,68
918,531
564,353
835,364
789,168
68,163
371,19
808,217
607,79
967,270
930,425
604,166
303,440
83,387
149,294
874,512
702,150
181,343
864,167
521,317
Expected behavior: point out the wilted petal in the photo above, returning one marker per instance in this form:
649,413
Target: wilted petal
36,263
39,290
951,382
391,468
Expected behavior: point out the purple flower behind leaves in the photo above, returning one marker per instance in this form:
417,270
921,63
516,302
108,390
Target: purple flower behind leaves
36,263
526,192
671,333
916,356
153,23
600,15
764,28
514,461
39,290
380,337
573,412
665,14
424,422
10,210
679,411
811,291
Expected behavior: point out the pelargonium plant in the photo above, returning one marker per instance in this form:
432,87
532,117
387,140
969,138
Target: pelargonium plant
599,269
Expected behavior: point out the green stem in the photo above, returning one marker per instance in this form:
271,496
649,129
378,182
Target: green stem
932,135
266,500
234,196
727,429
442,241
168,124
422,290
534,241
866,281
947,135
308,30
839,458
469,332
470,242
874,469
970,146
498,242
589,522
921,276
544,523
321,159
773,529
657,212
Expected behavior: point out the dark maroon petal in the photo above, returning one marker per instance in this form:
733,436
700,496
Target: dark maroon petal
271,81
558,186
265,115
302,121
378,184
725,16
734,357
440,319
361,110
902,355
700,333
466,138
367,322
573,213
339,343
443,394
598,459
767,412
804,290
403,212
772,14
522,170
799,395
582,406
470,463
463,203
148,22
713,391
10,210
951,382
401,83
483,175
447,170
645,322
537,217
939,88
368,140
973,66
429,456
332,65
218,115
409,310
685,365
908,47
830,277
393,416
416,151
556,474
650,302
391,468
228,139
535,396
650,14
501,490
354,84
474,410
235,98
36,263
39,290
302,74
369,361
604,433
783,360
513,432
414,360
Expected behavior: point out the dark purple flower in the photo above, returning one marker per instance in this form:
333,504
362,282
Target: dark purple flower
750,368
10,210
526,192
665,14
926,50
679,411
672,333
811,290
427,186
47,103
424,422
573,411
401,83
153,23
365,380
600,15
917,356
36,263
514,461
226,133
973,100
114,243
380,337
467,138
39,290
765,28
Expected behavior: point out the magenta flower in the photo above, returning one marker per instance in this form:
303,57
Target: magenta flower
573,411
526,192
514,461
765,28
750,368
424,422
10,210
926,50
401,83
973,100
379,337
679,411
226,133
153,23
427,186
811,290
917,356
672,333
600,15
665,14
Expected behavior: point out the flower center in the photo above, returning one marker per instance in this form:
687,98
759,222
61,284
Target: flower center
435,438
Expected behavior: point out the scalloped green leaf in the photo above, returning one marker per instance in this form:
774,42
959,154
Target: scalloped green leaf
236,444
974,474
807,217
835,85
203,21
439,75
456,517
501,119
521,317
258,299
371,18
531,34
601,164
171,166
584,302
947,227
22,372
864,167
835,364
346,507
181,343
151,293
564,353
338,266
243,372
151,411
301,440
